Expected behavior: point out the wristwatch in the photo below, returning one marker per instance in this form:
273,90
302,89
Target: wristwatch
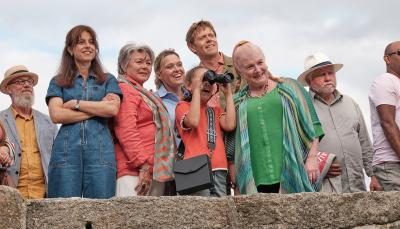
77,105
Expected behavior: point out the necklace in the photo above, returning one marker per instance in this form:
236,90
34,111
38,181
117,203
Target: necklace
260,95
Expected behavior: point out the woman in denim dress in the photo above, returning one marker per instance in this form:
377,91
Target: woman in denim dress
82,97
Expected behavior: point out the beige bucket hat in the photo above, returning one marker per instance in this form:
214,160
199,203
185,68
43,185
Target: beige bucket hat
15,72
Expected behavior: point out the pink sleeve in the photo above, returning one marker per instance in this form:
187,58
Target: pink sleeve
126,129
384,90
181,110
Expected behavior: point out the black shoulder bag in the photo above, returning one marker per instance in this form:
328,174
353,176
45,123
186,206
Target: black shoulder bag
195,174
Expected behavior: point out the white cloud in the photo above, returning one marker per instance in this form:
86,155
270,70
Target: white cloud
351,32
42,63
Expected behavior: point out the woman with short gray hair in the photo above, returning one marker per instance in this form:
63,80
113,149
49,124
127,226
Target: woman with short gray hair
142,159
125,55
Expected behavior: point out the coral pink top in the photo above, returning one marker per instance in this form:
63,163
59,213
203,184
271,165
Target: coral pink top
135,132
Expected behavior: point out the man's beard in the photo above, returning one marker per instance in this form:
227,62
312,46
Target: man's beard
325,90
25,101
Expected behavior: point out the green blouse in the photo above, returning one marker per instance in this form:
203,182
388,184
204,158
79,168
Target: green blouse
265,118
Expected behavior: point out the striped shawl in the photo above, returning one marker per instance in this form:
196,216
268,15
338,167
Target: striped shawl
298,134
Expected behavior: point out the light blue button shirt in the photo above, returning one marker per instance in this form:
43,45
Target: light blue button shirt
170,101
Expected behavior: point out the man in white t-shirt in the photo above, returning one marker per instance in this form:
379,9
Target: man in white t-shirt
384,99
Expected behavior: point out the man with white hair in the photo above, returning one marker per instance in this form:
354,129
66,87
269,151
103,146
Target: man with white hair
346,134
31,131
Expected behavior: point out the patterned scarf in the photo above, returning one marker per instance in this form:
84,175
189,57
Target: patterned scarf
298,134
164,140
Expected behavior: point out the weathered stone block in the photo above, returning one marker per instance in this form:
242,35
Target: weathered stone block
132,212
306,210
317,210
12,207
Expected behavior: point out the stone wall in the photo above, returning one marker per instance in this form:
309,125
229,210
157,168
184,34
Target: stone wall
306,210
12,207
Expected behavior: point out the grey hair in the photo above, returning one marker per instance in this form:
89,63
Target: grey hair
126,52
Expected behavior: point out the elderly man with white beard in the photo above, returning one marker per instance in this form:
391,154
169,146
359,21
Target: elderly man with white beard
32,131
345,131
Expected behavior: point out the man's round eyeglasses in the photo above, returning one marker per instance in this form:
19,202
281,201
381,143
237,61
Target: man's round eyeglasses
22,82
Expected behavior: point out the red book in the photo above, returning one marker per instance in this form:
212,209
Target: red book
325,160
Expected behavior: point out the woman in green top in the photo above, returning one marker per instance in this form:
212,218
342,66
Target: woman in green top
277,131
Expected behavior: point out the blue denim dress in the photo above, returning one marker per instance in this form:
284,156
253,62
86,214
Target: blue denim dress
82,162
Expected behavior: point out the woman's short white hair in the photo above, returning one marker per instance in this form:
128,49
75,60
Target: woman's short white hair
126,52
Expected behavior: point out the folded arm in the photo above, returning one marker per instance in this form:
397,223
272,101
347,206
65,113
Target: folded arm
108,107
59,114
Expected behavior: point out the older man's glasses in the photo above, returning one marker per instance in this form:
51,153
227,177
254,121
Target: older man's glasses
22,82
396,52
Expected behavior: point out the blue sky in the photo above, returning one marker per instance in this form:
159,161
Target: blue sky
354,33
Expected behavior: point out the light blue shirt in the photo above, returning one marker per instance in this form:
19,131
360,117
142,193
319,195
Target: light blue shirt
170,101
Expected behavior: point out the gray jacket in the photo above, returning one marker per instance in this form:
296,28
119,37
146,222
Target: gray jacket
45,131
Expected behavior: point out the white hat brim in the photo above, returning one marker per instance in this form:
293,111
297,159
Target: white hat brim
303,76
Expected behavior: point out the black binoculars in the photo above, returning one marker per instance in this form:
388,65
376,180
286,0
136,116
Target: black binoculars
213,77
